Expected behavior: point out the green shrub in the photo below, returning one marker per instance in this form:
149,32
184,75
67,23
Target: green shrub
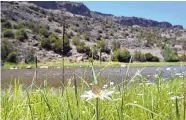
6,24
6,48
86,37
57,46
21,35
121,55
139,56
103,46
82,48
45,43
12,57
183,57
8,33
76,40
17,26
148,57
116,45
170,54
67,47
44,32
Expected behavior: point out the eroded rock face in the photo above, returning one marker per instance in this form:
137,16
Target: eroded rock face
130,21
73,7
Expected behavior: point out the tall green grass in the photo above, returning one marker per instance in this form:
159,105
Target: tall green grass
138,100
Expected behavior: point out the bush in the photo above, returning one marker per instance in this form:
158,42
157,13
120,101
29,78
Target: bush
12,57
8,33
21,35
149,57
6,24
76,40
18,26
67,47
82,48
44,32
6,48
170,54
139,56
86,37
116,45
183,57
103,46
121,55
45,43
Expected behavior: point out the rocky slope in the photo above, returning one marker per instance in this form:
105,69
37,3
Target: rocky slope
132,32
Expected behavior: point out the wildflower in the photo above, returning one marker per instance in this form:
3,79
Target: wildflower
178,74
170,93
135,102
97,93
91,84
103,94
105,86
117,93
176,97
111,83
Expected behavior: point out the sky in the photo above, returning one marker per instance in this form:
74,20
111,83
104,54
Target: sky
172,11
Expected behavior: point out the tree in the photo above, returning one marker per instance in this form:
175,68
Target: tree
170,54
121,55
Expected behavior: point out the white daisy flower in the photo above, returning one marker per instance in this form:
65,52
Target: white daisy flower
170,93
111,83
103,94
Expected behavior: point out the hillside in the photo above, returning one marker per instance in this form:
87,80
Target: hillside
42,24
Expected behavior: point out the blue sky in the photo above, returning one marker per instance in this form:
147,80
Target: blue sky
173,12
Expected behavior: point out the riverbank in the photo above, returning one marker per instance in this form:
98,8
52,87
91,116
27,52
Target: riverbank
86,64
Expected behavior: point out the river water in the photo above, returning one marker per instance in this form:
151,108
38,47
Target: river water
54,75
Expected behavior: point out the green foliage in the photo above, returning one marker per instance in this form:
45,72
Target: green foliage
17,26
66,45
82,48
6,48
12,57
148,56
44,32
76,40
116,45
45,43
86,37
103,46
121,55
6,24
8,33
21,35
139,56
170,54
